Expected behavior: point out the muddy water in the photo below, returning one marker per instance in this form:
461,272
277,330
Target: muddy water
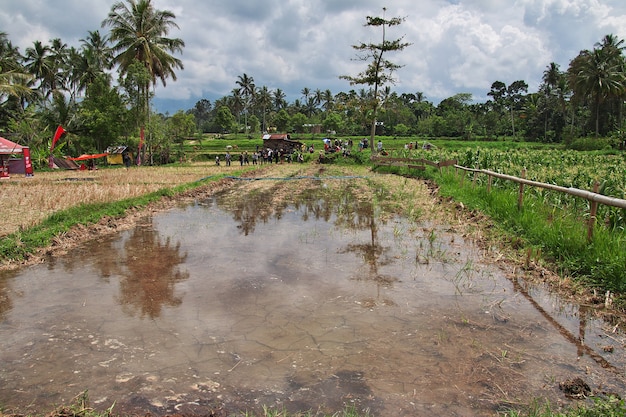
229,305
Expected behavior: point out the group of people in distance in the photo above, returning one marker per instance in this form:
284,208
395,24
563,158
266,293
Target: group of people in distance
264,156
269,155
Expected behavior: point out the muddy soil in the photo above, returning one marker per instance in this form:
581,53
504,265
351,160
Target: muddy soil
308,289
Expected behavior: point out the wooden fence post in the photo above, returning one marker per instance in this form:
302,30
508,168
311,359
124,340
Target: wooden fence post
520,197
592,214
489,179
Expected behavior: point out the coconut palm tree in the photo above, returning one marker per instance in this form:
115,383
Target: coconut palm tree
328,100
14,84
264,100
280,101
551,77
595,75
247,89
13,78
39,63
138,33
100,53
306,93
90,62
613,47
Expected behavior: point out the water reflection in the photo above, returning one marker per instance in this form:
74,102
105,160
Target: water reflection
152,268
147,266
257,298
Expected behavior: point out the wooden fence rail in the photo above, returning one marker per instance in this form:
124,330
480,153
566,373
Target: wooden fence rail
592,197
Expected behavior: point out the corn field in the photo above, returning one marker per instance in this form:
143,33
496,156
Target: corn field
559,167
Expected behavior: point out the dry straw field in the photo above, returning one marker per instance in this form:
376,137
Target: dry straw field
26,201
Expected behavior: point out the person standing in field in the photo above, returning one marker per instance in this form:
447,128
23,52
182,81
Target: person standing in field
126,159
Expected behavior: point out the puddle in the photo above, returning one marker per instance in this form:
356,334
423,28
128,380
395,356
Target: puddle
238,301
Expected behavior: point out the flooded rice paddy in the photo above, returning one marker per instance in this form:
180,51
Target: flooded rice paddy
234,302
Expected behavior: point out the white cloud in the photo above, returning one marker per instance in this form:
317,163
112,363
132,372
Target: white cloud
457,45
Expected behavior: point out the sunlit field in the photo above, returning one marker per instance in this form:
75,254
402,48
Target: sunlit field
27,201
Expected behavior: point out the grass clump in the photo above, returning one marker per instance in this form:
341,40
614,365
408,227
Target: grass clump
601,407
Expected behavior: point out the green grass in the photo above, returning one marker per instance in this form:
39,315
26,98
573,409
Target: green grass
601,407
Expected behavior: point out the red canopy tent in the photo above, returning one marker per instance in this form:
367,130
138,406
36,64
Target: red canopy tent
8,148
90,158
87,156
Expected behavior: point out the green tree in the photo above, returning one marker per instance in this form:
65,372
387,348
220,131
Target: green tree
224,119
202,114
401,129
379,70
139,33
455,111
509,98
179,127
332,122
282,120
103,116
298,121
255,124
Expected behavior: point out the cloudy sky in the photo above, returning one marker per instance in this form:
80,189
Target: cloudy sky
458,46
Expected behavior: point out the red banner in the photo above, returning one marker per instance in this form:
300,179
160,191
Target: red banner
57,135
28,163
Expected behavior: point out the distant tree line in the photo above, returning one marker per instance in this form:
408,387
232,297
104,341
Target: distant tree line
101,90
586,100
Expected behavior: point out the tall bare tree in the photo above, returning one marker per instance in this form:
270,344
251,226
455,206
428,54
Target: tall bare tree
379,70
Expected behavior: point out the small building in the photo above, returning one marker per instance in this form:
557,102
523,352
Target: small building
116,154
278,141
